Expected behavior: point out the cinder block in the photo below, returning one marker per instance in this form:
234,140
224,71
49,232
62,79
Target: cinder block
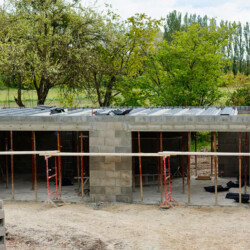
2,231
102,166
119,149
126,190
97,174
113,174
98,197
96,141
107,182
1,214
122,134
97,190
123,182
94,182
111,141
124,198
107,149
113,190
1,204
122,166
126,174
110,159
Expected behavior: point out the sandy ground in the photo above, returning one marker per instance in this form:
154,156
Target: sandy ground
125,226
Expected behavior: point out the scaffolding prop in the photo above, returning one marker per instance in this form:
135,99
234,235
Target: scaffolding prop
57,197
169,200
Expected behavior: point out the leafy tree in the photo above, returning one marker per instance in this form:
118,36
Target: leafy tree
119,56
43,40
187,71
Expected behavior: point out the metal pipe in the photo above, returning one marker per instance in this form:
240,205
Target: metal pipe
34,162
161,170
12,164
189,189
59,164
133,167
212,158
73,158
246,142
78,161
82,166
195,145
239,135
6,163
215,170
182,165
140,169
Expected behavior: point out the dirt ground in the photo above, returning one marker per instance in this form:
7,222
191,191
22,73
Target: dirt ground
125,226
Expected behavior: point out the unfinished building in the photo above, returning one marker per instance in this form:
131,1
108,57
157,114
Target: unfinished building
115,130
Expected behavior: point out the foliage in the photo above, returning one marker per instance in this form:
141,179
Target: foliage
118,57
240,97
186,71
42,40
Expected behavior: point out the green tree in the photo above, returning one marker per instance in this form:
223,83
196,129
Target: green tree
187,71
119,56
43,40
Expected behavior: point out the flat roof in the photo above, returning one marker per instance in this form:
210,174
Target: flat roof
116,111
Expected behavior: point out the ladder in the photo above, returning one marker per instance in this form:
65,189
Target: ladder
169,200
49,177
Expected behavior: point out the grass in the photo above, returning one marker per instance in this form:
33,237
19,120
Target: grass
29,98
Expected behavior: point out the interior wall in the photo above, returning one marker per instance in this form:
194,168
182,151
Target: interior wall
45,140
150,143
229,142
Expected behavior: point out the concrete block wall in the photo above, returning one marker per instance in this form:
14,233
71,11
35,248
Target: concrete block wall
229,142
110,177
2,228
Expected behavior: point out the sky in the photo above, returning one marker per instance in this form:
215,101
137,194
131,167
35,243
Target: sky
232,10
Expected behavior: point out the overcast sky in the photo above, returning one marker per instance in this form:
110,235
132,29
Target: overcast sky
233,10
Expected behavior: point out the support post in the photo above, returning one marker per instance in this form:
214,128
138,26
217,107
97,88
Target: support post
82,188
212,158
59,164
34,162
182,165
78,162
133,166
189,177
140,169
195,157
12,164
73,158
215,170
239,135
6,163
246,142
161,167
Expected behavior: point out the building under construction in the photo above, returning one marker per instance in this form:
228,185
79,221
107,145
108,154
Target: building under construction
112,141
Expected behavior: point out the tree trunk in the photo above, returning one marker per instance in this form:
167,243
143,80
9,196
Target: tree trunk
42,91
18,100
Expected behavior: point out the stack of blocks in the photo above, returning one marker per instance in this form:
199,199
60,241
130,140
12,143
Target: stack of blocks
2,227
110,177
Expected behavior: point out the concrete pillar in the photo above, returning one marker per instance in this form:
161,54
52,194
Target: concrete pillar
110,177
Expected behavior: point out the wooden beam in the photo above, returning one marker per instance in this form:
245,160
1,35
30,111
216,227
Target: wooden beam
246,143
161,166
239,135
82,187
6,162
34,163
140,169
59,164
215,170
195,145
12,165
182,164
189,177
